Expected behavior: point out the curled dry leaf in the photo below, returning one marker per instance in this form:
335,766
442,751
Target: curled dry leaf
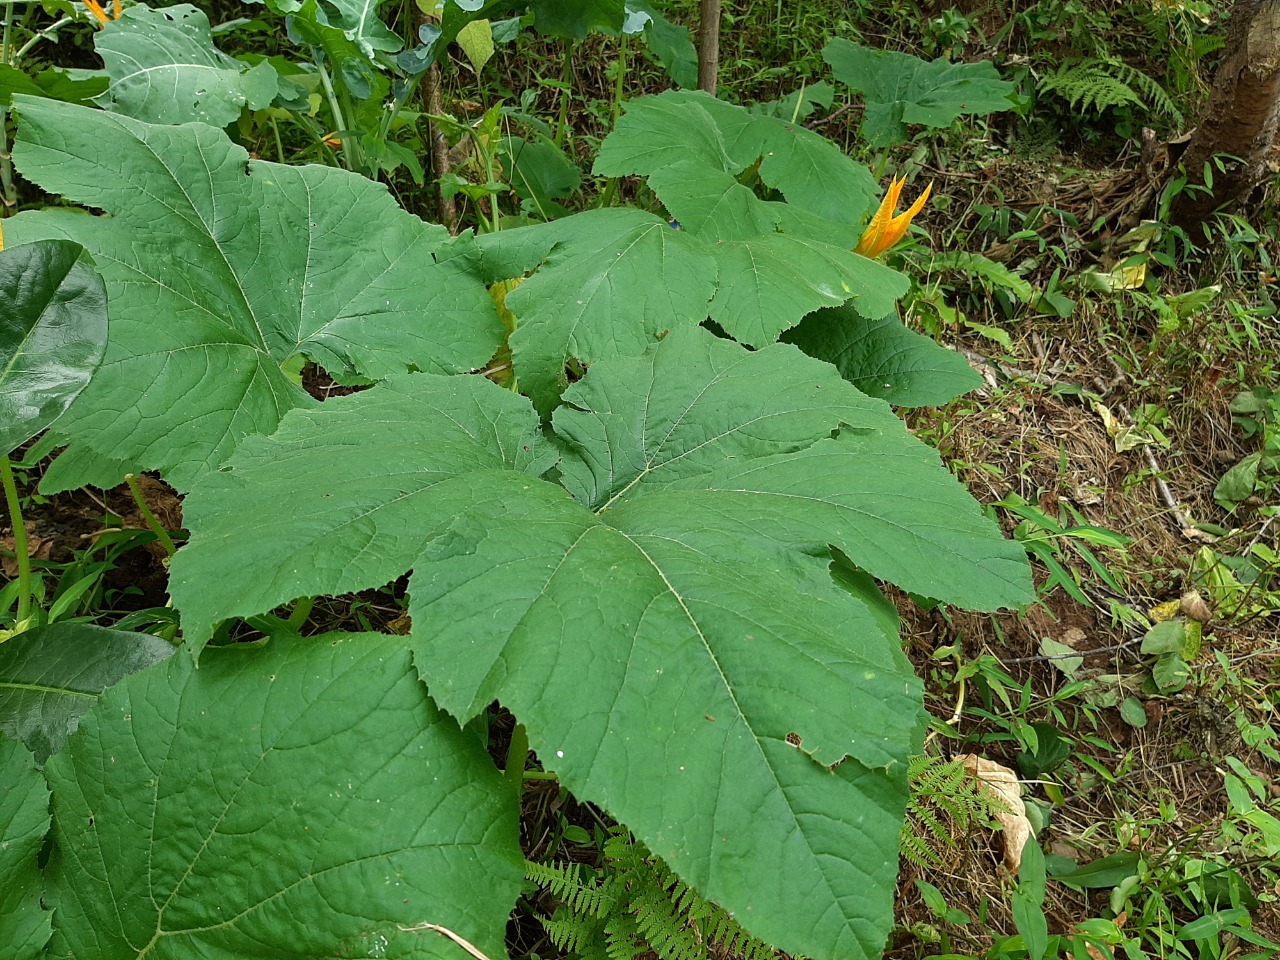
1000,782
38,548
1192,605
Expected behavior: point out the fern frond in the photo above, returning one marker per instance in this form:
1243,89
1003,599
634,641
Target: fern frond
573,933
576,886
945,803
1099,83
633,905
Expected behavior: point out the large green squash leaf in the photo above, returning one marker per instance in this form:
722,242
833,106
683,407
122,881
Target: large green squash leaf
216,277
680,125
883,358
302,800
770,282
900,89
24,821
51,676
611,283
670,633
775,264
53,333
164,68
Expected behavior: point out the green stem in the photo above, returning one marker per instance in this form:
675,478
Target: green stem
301,610
620,80
48,33
275,128
8,188
562,127
161,533
882,161
8,24
517,754
610,191
19,539
339,118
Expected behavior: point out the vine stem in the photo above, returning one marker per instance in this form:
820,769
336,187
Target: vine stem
152,523
19,538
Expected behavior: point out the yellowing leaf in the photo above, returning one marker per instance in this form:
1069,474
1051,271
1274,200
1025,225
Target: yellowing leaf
476,41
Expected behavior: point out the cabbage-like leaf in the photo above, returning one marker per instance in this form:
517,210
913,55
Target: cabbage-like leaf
666,623
900,89
299,800
218,269
52,334
164,68
51,676
883,358
24,821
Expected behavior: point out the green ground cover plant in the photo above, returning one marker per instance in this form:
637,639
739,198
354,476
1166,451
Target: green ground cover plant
651,542
577,540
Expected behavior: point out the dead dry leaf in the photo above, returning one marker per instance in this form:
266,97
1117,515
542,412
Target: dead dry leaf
1001,783
1192,605
38,548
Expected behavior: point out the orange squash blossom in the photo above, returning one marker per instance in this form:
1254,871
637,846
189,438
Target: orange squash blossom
100,14
885,229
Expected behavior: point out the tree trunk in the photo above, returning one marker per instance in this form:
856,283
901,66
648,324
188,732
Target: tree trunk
433,102
709,46
1241,118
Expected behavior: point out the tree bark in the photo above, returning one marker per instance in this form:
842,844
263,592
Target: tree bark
1242,117
433,102
709,46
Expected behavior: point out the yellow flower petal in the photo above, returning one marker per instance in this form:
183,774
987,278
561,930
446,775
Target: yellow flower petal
885,229
870,239
96,9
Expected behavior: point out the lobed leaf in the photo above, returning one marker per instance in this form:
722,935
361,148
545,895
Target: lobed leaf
299,800
216,277
355,516
617,280
680,125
